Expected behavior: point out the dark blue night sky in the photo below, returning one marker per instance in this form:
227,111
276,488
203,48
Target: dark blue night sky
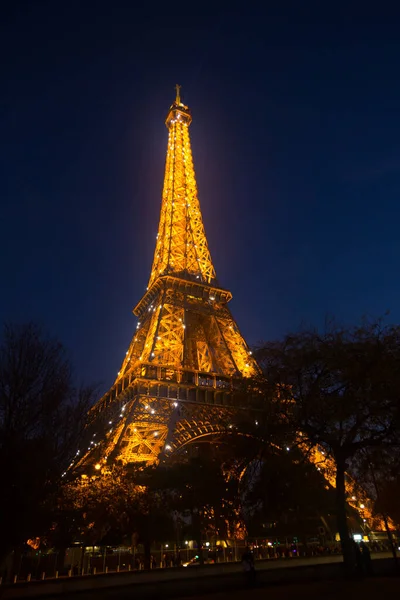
296,142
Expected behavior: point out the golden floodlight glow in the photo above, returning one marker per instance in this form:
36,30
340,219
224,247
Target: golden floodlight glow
181,246
186,345
97,467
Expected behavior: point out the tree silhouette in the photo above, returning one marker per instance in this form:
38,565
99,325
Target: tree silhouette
341,390
42,415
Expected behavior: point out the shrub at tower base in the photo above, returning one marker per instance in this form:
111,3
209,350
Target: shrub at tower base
192,498
340,391
284,495
125,505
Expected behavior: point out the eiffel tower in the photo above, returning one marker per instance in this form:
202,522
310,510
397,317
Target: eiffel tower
176,381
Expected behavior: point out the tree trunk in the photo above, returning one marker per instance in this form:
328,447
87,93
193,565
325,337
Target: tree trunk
385,519
341,516
82,559
200,550
147,553
61,552
197,534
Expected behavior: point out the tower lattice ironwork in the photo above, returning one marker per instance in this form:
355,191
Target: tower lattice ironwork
176,381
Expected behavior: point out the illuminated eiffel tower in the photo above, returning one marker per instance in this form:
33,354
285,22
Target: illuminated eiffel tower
178,376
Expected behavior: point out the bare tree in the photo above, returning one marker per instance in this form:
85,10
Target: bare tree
341,389
42,415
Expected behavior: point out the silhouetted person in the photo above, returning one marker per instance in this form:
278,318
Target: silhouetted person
366,558
248,566
358,557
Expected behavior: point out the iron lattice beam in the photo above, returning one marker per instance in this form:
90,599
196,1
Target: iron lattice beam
176,381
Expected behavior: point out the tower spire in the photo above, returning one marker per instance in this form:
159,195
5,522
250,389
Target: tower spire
181,247
178,94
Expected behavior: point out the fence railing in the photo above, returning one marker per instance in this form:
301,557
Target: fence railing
83,562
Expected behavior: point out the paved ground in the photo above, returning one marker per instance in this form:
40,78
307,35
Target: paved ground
185,583
370,588
284,563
